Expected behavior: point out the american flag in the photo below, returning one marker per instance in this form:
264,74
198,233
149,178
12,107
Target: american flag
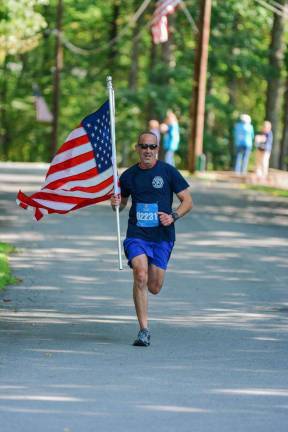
80,173
159,26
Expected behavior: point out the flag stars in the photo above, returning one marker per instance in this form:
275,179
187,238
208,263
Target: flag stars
98,130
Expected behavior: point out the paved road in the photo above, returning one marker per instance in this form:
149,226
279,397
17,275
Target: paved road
218,360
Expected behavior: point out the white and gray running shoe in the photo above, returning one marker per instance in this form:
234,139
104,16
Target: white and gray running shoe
143,338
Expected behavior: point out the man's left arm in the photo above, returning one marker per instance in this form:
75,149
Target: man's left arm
185,206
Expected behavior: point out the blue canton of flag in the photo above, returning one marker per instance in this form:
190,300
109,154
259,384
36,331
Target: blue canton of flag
97,127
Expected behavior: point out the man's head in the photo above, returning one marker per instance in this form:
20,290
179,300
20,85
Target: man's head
267,126
153,124
245,118
147,148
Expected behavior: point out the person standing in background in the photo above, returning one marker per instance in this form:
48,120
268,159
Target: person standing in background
243,140
263,143
154,127
171,139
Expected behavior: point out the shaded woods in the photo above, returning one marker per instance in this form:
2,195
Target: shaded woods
247,72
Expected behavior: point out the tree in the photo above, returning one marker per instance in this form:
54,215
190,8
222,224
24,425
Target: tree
145,83
20,25
283,160
276,56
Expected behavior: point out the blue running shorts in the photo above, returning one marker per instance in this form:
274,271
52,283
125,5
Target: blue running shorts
158,253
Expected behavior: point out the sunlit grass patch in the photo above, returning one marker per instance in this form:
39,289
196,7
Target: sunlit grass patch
5,272
267,189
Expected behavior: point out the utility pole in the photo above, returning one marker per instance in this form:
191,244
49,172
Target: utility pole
56,83
197,107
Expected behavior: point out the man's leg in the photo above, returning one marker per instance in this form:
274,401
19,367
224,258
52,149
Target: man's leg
266,157
155,278
238,161
140,292
258,164
169,157
245,161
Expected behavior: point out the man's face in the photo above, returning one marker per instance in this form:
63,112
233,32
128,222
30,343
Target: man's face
147,149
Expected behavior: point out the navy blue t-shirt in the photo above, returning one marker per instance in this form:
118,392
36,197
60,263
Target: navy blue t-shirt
151,191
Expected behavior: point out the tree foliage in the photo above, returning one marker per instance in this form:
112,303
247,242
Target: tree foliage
20,25
148,79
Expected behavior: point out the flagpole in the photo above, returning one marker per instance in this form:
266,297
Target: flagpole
114,162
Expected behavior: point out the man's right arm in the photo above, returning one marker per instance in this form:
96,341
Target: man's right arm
118,200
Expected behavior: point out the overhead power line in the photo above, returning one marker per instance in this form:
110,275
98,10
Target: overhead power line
81,51
86,52
279,5
188,15
283,12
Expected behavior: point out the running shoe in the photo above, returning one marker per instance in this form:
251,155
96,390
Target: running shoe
143,338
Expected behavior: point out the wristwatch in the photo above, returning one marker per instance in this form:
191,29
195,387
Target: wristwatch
175,215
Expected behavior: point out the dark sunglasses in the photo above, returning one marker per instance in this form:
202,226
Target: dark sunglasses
146,146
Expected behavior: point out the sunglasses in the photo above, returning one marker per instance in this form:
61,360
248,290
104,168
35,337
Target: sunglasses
146,146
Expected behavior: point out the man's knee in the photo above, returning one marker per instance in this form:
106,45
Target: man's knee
154,287
140,276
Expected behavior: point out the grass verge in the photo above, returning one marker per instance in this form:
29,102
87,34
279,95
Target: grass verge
5,272
267,189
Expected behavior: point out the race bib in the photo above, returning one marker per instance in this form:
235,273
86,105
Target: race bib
147,215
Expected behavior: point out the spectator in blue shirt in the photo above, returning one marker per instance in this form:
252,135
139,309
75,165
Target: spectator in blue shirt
243,140
171,139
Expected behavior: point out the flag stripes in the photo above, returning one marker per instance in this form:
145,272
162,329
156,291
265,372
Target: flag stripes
81,172
68,154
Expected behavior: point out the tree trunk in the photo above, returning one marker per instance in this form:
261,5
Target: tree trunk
232,87
167,53
56,84
274,81
4,126
113,34
197,105
151,80
133,75
283,160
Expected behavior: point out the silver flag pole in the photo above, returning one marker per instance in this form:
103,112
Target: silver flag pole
114,162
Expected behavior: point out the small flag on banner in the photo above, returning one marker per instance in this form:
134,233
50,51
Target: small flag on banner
159,26
43,114
81,172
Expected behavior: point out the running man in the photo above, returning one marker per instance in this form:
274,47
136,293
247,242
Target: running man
151,233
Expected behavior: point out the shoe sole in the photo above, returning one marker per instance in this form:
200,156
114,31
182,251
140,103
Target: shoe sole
140,343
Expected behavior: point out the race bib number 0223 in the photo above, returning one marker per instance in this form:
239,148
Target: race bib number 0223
147,215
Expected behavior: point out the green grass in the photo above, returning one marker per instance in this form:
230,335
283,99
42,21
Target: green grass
267,189
5,272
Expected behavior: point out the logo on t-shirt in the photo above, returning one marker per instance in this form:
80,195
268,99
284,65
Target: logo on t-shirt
158,182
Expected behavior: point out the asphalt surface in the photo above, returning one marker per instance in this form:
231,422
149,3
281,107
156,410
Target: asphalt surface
218,359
